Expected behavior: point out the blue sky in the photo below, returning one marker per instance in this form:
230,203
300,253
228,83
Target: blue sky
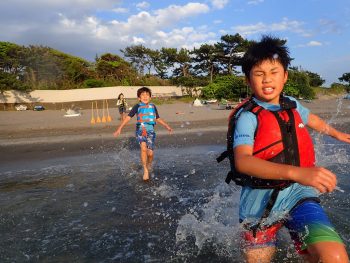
317,31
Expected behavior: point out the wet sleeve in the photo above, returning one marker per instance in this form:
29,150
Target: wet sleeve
303,111
245,129
157,114
133,111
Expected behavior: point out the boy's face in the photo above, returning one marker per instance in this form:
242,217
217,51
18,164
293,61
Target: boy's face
267,80
145,97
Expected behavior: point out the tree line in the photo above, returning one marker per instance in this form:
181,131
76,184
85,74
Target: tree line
212,66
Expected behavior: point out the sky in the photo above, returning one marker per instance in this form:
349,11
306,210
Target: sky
317,31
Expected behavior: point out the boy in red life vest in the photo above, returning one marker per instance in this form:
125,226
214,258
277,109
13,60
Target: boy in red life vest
147,117
273,160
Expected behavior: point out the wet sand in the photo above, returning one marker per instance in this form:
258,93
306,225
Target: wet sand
45,134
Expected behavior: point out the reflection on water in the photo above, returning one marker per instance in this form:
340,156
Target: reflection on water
95,208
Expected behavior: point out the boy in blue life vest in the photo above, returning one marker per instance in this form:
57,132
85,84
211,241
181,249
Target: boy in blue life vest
147,117
272,158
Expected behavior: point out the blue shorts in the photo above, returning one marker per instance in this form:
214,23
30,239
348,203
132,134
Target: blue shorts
148,137
307,224
122,110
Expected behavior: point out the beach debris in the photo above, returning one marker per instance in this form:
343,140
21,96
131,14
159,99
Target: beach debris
105,109
98,119
197,103
180,112
21,107
211,101
103,112
38,108
93,121
72,113
109,118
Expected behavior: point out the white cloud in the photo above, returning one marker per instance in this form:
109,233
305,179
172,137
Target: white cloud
76,29
183,37
120,10
219,4
314,44
311,43
255,2
329,26
138,41
284,25
143,5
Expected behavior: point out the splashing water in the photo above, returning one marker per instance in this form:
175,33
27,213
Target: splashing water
95,207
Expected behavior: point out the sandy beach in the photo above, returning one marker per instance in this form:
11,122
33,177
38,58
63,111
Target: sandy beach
71,192
30,134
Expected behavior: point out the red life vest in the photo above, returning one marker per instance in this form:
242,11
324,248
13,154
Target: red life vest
280,137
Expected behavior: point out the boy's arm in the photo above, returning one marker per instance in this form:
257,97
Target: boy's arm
160,121
318,177
320,125
119,130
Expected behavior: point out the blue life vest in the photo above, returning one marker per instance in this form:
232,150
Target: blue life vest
146,114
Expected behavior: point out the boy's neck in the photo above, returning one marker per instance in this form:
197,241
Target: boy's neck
269,102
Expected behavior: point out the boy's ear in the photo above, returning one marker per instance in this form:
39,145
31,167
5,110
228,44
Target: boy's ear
285,76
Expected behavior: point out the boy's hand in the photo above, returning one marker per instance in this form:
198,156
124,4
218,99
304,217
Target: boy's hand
318,177
344,137
117,133
170,130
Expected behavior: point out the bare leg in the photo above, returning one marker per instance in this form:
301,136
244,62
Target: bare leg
144,161
150,159
259,255
327,252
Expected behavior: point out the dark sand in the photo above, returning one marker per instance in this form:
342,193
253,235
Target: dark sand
31,134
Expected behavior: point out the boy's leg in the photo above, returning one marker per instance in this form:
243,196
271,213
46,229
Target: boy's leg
151,136
327,252
149,159
314,236
260,255
144,160
260,246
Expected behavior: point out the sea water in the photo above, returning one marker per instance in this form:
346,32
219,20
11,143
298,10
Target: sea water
95,207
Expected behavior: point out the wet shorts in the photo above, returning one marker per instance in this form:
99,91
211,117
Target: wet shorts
146,136
122,110
307,224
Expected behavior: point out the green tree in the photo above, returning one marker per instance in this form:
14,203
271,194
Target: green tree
231,47
206,60
179,61
114,70
190,85
346,78
9,81
137,55
299,81
315,79
225,87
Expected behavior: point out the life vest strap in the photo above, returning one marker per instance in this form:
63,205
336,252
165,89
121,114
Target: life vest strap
222,156
267,211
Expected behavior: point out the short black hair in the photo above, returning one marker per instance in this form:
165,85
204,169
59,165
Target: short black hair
142,90
269,48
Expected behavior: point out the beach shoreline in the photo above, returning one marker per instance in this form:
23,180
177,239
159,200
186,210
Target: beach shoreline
47,134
